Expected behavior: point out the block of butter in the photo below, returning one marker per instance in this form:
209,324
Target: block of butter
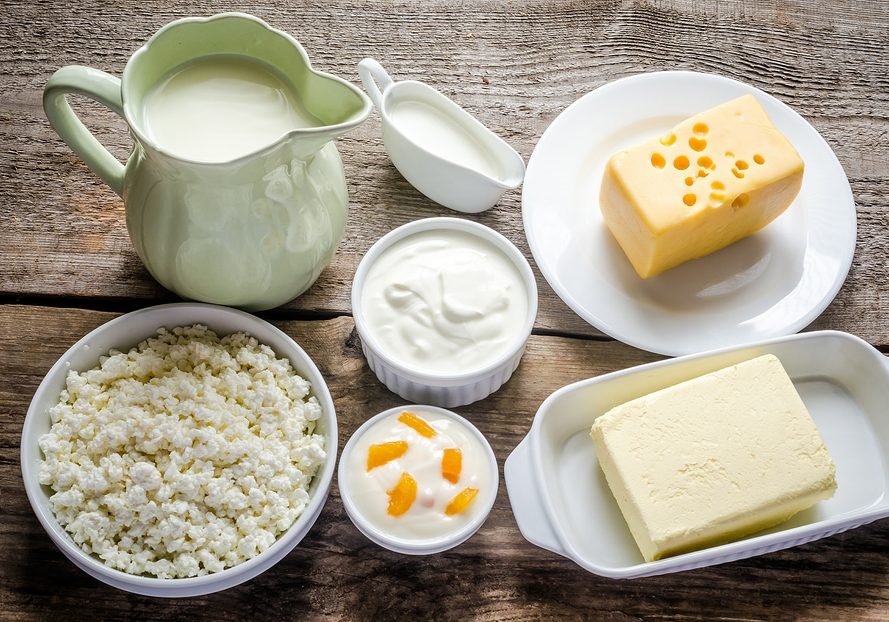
715,178
713,459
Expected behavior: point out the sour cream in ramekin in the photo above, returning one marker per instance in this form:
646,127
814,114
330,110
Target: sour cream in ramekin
444,308
444,301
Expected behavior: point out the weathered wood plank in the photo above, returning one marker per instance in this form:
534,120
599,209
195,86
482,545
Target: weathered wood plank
337,573
514,65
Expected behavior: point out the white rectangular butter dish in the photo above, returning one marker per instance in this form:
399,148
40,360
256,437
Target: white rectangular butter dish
561,500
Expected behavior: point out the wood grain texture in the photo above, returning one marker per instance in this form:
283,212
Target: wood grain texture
337,573
515,65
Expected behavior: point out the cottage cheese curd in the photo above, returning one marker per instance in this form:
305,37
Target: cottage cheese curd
184,456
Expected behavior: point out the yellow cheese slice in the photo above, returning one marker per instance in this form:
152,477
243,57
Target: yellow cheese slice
715,178
713,459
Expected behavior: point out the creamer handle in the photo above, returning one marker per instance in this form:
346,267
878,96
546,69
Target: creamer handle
375,80
99,86
525,499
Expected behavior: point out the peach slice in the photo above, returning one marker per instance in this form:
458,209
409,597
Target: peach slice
413,421
451,465
402,496
461,501
378,455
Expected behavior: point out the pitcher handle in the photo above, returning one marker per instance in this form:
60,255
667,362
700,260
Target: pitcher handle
375,79
99,86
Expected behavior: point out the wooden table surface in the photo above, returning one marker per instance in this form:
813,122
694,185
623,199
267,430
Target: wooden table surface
67,265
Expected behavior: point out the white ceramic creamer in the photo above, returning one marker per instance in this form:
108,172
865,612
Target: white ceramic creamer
437,133
442,150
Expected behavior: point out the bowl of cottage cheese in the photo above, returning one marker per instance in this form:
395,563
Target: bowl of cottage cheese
179,450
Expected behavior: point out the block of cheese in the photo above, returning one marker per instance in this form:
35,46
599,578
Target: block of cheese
715,178
713,459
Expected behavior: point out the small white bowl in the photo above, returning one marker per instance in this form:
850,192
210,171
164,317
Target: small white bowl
122,333
446,390
410,546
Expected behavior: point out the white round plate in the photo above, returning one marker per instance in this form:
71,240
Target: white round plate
770,284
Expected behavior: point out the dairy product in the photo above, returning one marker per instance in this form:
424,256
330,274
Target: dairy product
220,108
444,301
713,459
715,178
439,133
184,456
425,491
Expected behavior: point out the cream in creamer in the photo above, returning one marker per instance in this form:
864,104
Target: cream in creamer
444,302
220,108
424,516
439,133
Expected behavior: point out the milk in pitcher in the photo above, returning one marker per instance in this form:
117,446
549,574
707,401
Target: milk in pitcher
220,108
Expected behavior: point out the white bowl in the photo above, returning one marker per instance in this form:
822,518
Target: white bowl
122,333
447,390
425,546
562,502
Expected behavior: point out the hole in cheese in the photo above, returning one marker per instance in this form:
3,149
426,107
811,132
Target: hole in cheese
706,162
681,163
690,199
657,160
700,129
689,181
717,185
669,139
741,200
759,159
742,165
737,173
698,144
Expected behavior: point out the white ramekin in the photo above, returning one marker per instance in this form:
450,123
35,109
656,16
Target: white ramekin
430,545
447,390
122,333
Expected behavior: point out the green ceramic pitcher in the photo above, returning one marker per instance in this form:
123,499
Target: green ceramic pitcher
253,232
